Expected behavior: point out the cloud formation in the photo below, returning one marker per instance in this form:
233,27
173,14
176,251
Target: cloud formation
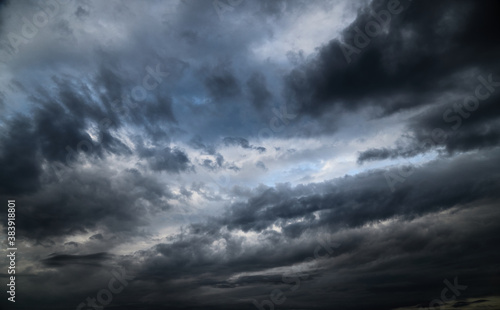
251,154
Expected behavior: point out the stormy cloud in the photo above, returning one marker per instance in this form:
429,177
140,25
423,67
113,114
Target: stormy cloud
250,154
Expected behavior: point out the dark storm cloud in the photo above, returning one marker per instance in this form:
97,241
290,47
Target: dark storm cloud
72,243
19,165
57,260
276,8
358,200
80,201
346,203
259,94
214,164
81,12
352,202
221,83
96,237
467,124
55,132
62,119
237,141
188,266
352,207
376,154
379,248
57,129
160,111
243,143
360,266
413,58
164,159
197,143
209,164
192,254
155,114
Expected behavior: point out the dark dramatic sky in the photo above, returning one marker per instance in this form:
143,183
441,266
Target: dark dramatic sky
294,154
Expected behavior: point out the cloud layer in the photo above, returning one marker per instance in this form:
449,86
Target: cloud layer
251,154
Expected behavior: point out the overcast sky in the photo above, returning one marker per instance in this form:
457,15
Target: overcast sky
251,154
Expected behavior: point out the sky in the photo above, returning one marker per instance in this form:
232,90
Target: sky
250,154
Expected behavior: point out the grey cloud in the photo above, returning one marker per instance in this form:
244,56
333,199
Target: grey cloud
261,165
57,260
382,74
259,93
96,237
19,165
243,143
166,159
100,177
79,201
449,128
221,84
359,200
